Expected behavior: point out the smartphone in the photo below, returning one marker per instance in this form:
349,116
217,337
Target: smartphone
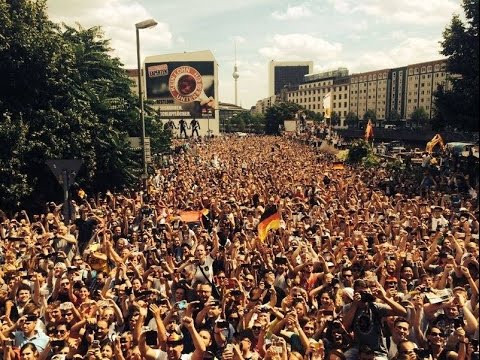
8,342
181,305
151,338
459,322
95,343
327,312
222,324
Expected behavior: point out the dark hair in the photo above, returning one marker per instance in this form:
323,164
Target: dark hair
366,350
23,286
400,320
359,283
30,346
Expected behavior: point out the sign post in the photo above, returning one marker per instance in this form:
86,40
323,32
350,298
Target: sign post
65,172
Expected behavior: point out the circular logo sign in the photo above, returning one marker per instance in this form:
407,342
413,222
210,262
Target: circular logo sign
185,84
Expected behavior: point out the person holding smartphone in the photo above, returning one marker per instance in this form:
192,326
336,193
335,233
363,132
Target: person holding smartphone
363,316
24,331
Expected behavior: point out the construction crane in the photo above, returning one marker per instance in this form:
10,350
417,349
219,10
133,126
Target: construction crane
436,140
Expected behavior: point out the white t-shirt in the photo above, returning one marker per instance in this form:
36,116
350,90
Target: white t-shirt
207,268
162,355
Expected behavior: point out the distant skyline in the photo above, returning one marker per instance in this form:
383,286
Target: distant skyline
361,36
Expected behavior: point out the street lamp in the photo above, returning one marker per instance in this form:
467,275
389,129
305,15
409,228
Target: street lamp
142,25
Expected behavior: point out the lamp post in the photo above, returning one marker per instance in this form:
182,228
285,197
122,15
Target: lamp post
142,25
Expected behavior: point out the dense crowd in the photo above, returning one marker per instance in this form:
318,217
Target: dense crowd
366,264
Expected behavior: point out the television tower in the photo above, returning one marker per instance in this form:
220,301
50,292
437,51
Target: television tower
235,73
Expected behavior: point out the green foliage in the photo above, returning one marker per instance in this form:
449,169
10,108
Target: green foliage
370,115
459,107
370,161
277,114
335,119
312,115
358,151
246,122
395,165
352,119
394,116
420,116
63,97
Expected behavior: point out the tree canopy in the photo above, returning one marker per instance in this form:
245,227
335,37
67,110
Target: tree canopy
459,107
64,97
277,114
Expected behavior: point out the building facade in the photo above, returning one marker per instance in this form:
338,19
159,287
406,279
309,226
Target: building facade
287,73
390,93
369,91
423,80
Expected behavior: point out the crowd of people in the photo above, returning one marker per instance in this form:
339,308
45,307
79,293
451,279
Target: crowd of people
365,264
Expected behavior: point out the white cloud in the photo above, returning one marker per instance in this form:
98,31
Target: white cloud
400,11
293,13
238,39
118,19
300,47
408,51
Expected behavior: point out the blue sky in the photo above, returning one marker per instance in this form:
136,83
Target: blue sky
361,35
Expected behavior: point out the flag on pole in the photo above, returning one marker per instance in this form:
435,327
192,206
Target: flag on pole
327,105
369,131
269,220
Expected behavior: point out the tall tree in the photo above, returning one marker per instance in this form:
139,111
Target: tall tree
419,117
351,120
335,119
65,98
277,114
461,45
370,115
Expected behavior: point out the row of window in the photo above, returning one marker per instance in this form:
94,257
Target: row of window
423,69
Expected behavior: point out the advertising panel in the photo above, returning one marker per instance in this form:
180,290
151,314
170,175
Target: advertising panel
182,89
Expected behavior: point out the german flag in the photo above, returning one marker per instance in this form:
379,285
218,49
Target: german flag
269,220
369,131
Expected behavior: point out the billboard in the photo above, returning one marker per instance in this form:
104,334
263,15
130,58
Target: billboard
182,89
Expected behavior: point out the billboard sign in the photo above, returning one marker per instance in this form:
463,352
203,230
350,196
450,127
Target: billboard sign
183,89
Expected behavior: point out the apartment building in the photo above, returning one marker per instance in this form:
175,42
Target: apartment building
423,80
310,94
262,105
369,91
286,73
401,90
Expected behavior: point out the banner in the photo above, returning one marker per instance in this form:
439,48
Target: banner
327,105
182,89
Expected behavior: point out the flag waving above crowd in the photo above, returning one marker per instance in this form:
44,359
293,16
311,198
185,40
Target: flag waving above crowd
269,220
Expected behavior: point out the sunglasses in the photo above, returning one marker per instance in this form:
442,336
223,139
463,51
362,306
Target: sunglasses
435,333
174,343
256,328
